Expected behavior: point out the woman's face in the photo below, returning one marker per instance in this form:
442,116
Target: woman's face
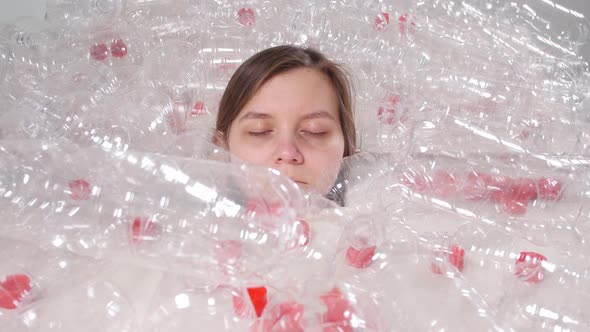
292,124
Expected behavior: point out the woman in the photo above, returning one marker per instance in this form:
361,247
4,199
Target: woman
290,109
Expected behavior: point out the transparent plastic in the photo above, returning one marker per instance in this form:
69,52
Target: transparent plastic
186,225
84,12
539,204
465,206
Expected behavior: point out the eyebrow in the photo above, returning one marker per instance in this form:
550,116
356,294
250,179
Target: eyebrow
315,115
319,115
254,115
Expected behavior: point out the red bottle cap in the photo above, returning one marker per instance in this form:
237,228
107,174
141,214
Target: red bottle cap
476,185
514,205
415,182
403,23
381,21
143,229
339,311
99,52
303,232
360,257
284,317
246,16
456,256
499,188
12,290
118,48
549,188
79,189
257,299
199,108
444,184
387,112
528,267
524,188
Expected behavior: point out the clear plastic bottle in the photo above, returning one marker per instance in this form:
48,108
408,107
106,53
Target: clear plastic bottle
182,79
24,72
540,204
33,34
6,60
321,304
408,274
491,86
83,12
223,55
29,274
474,193
137,117
98,306
567,32
243,16
168,213
528,287
175,305
116,44
160,22
90,114
53,108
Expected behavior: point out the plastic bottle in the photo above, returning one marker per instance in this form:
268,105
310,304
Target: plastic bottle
83,77
474,114
24,72
83,12
520,280
34,34
95,305
116,44
138,117
320,304
182,79
240,16
223,55
36,116
171,214
481,84
176,305
409,273
5,59
160,22
539,204
318,229
567,33
29,274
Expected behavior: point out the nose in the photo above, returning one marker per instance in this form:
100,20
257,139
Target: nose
287,152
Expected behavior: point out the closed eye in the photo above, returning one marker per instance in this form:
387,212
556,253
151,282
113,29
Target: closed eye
315,133
259,133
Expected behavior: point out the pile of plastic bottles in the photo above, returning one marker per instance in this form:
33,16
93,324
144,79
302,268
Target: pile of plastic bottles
466,209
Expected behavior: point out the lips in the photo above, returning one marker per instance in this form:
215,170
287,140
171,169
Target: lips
299,182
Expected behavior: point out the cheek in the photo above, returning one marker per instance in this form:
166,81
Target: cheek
247,152
325,168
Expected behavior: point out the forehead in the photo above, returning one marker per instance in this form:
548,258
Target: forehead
299,91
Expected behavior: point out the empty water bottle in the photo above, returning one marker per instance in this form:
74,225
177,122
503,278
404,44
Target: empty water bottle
85,12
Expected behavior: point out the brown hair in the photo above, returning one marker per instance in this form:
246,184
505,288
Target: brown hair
262,66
